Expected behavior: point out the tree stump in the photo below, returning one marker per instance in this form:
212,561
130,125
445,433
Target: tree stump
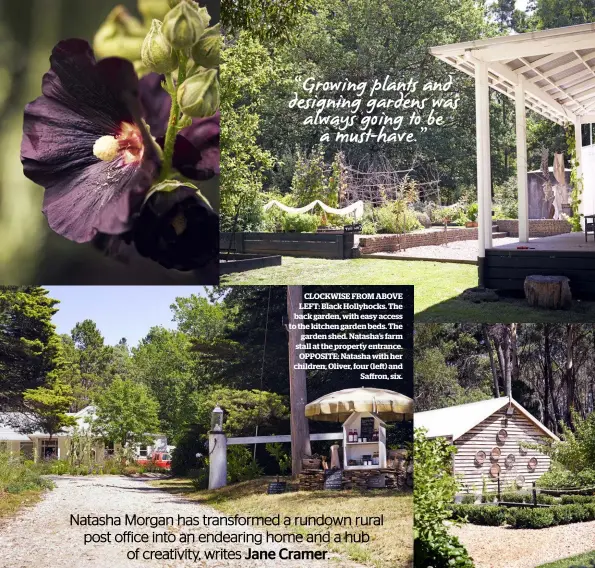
551,292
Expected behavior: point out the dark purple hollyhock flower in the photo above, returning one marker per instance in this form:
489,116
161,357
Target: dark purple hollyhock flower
178,229
196,150
84,141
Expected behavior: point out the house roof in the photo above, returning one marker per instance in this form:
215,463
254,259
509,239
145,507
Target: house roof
454,421
8,432
556,68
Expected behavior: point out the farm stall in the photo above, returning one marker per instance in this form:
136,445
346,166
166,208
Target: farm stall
489,437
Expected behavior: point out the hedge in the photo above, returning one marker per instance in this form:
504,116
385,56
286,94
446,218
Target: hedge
525,517
518,497
571,499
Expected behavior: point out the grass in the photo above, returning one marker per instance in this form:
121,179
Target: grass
391,545
437,286
11,503
586,559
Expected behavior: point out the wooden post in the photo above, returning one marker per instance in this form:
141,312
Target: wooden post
499,497
521,161
534,495
298,392
484,183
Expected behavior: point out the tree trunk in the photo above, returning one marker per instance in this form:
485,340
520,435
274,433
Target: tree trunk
486,338
551,292
569,383
546,373
300,432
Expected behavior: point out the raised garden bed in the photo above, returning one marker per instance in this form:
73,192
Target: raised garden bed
236,262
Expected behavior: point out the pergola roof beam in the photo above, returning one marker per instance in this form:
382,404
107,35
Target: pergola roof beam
557,87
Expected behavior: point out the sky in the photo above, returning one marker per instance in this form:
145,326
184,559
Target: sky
118,311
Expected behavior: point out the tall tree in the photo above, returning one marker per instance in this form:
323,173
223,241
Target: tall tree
126,412
30,351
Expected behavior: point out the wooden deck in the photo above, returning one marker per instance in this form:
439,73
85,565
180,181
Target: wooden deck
507,265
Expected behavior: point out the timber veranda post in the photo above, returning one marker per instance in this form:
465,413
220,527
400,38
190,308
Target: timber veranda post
298,392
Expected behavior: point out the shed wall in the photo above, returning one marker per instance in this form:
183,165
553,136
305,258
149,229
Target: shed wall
484,437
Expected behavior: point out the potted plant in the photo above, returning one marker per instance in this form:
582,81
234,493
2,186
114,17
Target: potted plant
472,211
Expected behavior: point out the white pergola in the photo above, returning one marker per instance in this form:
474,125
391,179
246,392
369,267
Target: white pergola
551,72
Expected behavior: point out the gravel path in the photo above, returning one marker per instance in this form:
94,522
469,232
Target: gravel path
42,535
455,250
495,547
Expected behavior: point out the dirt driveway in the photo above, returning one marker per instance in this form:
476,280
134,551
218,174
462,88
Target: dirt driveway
42,535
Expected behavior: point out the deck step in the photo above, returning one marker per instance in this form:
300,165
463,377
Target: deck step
499,235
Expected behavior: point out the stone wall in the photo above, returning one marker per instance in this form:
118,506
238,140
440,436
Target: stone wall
537,227
369,244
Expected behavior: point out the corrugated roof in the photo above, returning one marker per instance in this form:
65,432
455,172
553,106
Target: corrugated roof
454,421
556,68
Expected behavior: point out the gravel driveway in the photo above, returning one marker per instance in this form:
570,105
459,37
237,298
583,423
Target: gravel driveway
495,547
42,535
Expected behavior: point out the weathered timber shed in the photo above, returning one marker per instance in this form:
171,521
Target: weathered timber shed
488,436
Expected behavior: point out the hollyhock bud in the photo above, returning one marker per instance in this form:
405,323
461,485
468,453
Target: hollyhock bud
184,24
207,51
157,54
198,96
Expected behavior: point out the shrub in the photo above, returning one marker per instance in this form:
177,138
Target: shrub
472,211
469,499
434,491
240,465
580,499
423,219
369,228
300,222
525,518
566,514
490,515
396,217
17,476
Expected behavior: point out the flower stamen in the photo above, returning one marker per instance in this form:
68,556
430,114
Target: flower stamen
106,148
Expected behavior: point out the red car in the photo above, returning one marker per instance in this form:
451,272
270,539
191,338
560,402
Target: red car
158,459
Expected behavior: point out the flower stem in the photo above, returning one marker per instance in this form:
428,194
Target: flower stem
174,116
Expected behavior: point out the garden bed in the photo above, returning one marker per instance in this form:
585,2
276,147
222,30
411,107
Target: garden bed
549,512
236,262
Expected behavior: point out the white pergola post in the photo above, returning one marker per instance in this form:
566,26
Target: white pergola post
484,173
521,160
578,147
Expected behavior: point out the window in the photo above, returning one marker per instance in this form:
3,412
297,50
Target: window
49,449
109,448
27,450
142,452
586,135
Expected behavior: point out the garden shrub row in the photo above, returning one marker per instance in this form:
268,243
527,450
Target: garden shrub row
511,497
524,517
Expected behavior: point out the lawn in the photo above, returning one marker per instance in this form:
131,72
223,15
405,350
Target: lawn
437,287
391,545
587,559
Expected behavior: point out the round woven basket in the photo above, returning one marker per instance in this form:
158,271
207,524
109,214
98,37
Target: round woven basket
532,464
495,454
480,457
520,481
494,470
502,436
509,462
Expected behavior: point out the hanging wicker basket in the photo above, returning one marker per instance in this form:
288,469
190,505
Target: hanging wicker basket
520,481
494,471
532,464
495,454
509,462
480,457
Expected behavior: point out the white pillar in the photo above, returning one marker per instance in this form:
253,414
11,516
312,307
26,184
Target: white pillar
484,174
578,146
217,460
521,161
